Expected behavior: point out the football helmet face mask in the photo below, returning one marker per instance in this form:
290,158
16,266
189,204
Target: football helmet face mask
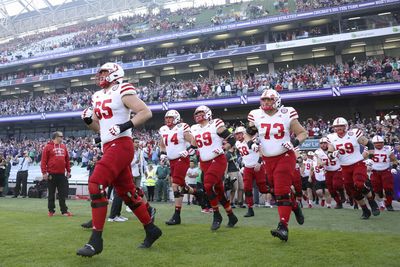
340,126
270,100
108,73
202,113
378,142
172,117
239,133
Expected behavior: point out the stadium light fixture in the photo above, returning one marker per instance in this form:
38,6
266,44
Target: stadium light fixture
257,69
140,72
74,80
194,65
287,53
354,18
94,18
139,49
118,52
224,61
252,57
384,13
357,44
249,32
391,40
16,88
3,89
166,45
317,49
192,41
36,85
221,36
168,68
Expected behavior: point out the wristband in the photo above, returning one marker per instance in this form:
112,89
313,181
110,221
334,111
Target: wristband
295,142
125,126
88,120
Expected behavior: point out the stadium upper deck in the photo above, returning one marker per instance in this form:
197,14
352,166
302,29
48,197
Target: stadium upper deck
332,35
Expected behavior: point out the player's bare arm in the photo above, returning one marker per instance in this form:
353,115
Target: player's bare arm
137,106
299,131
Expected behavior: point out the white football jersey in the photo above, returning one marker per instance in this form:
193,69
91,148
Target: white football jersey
273,131
109,108
307,167
174,139
347,146
381,158
207,138
330,165
250,157
318,172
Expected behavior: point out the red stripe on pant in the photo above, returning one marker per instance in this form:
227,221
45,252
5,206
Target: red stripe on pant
280,171
213,171
114,169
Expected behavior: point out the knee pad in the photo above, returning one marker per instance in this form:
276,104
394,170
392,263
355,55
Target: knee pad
358,195
177,194
98,195
283,200
132,200
364,190
211,195
224,201
248,193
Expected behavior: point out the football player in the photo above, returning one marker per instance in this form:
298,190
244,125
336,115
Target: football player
384,166
175,144
345,145
113,104
333,174
209,135
274,124
253,169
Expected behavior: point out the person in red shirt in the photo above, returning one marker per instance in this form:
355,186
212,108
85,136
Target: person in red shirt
56,170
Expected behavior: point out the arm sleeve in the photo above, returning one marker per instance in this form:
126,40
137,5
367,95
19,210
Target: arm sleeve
127,89
292,114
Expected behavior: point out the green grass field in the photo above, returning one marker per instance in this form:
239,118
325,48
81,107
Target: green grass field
328,237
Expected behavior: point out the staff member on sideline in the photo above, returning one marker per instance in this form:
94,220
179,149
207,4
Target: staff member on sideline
23,163
55,161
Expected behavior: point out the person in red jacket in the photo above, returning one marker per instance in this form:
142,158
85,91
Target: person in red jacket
56,170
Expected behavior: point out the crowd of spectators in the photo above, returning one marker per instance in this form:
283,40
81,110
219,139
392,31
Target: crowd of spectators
82,149
102,32
305,77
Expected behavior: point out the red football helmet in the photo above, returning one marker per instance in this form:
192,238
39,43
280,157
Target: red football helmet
109,73
172,117
202,113
270,100
340,126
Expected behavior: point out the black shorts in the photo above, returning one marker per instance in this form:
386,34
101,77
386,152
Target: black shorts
320,185
305,183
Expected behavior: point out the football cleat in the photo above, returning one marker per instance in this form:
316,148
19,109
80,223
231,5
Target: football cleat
366,214
339,206
87,225
152,234
281,232
217,220
94,247
232,220
250,213
389,207
176,219
374,207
